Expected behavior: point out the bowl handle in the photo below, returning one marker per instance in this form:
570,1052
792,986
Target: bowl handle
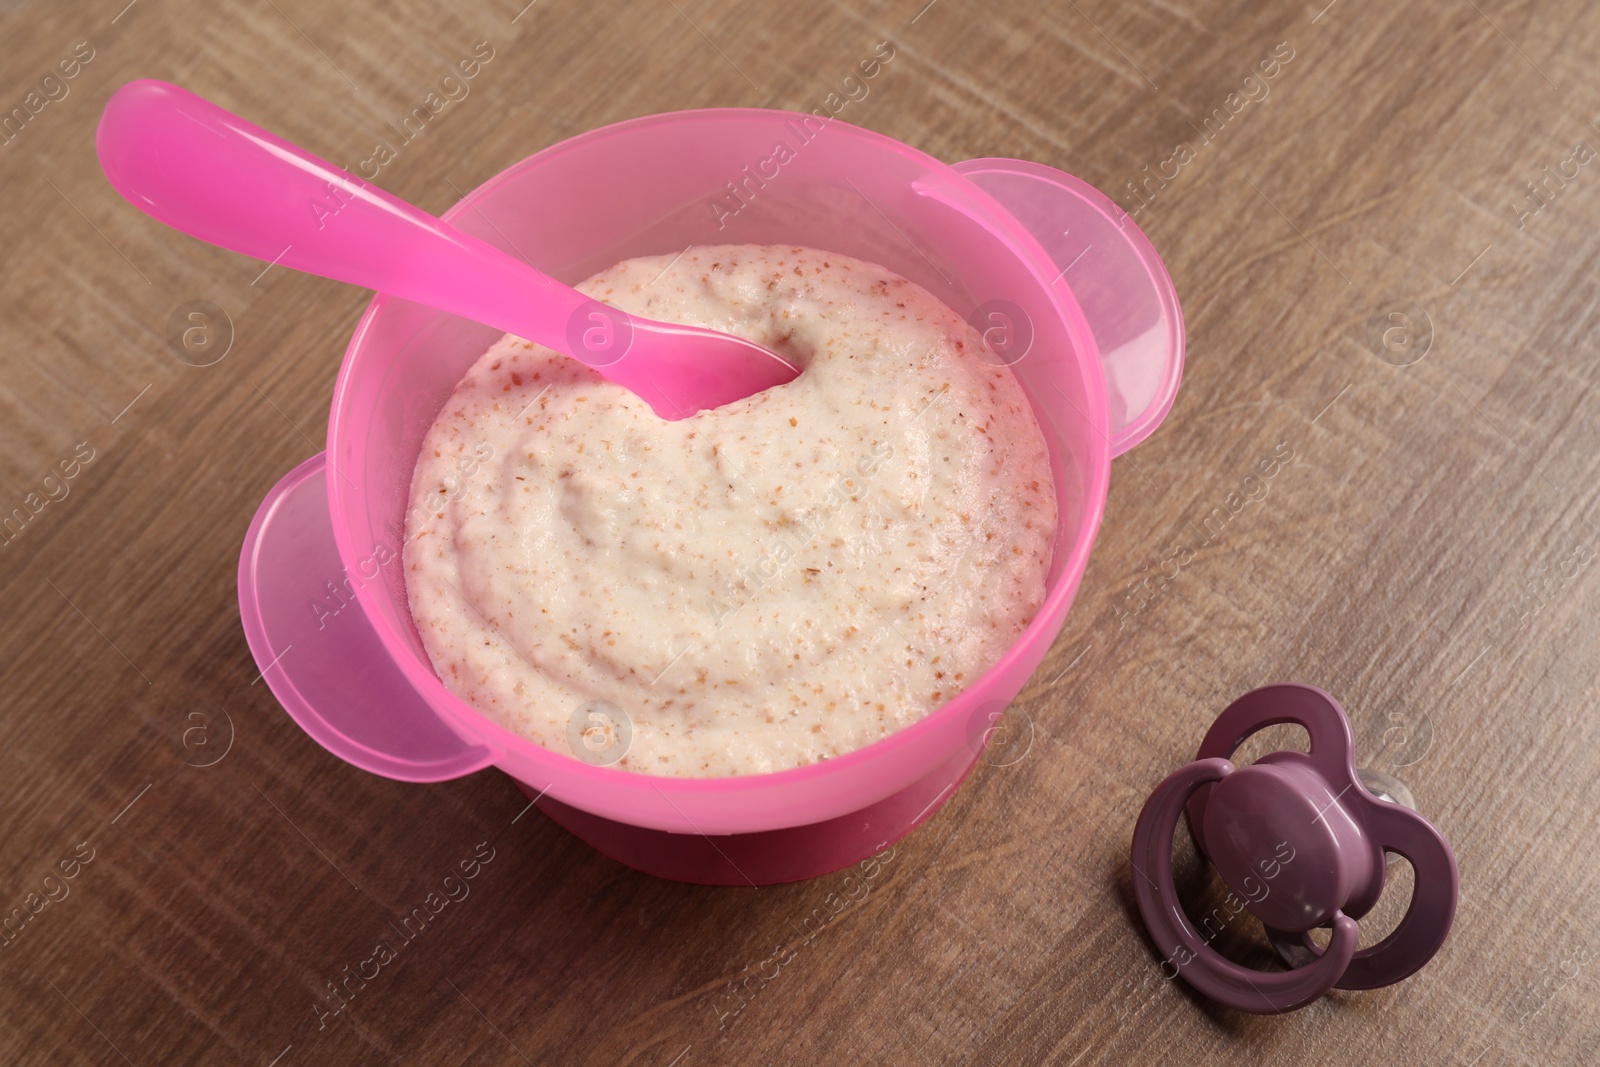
1113,272
317,650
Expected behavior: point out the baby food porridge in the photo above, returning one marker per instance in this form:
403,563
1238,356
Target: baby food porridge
775,582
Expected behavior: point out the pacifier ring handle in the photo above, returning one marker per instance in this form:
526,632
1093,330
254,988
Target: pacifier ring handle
1181,945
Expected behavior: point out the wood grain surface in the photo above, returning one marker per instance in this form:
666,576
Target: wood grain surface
1425,555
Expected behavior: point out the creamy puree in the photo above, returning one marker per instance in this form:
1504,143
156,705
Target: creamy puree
775,582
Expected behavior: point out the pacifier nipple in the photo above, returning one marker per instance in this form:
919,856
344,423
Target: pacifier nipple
1386,786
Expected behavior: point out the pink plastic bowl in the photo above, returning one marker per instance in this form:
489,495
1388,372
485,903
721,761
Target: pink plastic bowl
1019,247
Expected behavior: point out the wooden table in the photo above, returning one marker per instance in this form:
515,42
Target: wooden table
1424,556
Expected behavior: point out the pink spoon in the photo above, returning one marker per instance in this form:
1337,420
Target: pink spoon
201,170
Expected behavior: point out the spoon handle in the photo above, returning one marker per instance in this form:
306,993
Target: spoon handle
188,163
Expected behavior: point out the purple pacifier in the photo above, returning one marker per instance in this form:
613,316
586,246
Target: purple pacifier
1300,837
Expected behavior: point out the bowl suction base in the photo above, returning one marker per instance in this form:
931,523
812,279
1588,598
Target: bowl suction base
769,857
